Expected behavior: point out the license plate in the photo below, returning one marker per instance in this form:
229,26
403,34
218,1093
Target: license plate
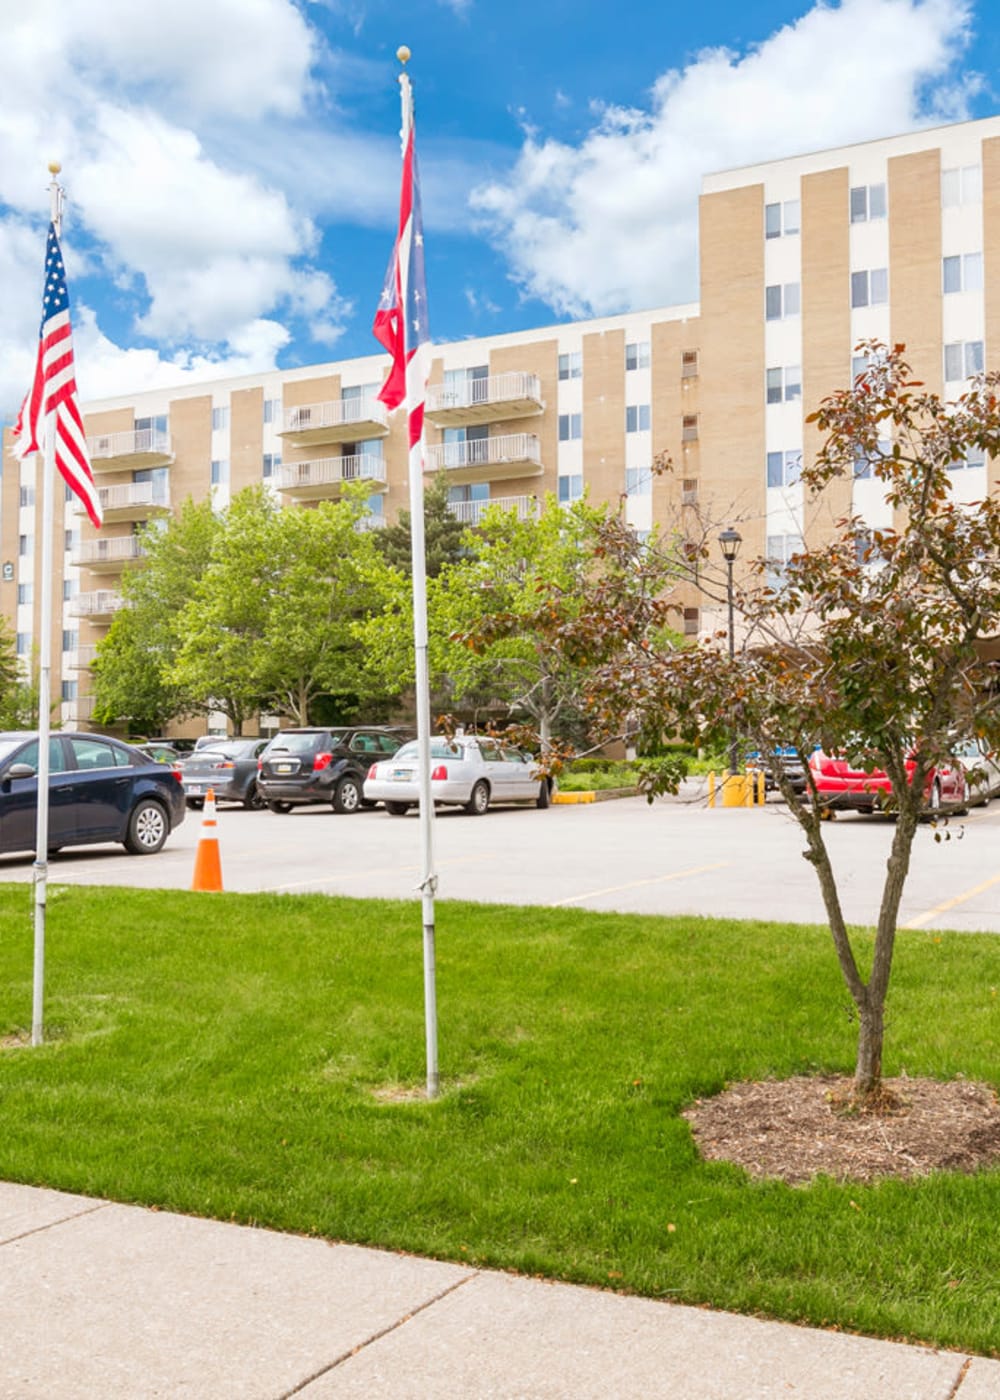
402,774
284,767
195,789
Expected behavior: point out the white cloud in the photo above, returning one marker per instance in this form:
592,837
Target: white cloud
612,223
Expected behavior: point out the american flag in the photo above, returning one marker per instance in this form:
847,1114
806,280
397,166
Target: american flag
53,390
401,319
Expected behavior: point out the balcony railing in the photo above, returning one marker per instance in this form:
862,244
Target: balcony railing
107,555
83,657
325,476
340,420
130,500
488,459
369,522
143,447
472,512
103,603
501,396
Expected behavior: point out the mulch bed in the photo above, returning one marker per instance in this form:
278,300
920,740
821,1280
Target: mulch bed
796,1129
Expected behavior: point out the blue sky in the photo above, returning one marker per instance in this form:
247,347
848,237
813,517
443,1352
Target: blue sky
232,166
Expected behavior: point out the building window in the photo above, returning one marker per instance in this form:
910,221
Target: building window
689,491
863,460
270,463
781,219
272,410
870,288
781,301
638,481
691,620
155,424
637,355
71,539
220,419
867,203
24,545
689,427
780,550
69,690
473,491
571,365
962,359
689,364
963,273
24,592
23,643
784,384
220,471
784,468
27,497
962,185
70,640
570,489
70,589
570,427
637,418
975,457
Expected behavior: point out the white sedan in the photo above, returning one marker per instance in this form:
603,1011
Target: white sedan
467,771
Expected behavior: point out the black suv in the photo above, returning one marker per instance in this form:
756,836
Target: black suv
323,765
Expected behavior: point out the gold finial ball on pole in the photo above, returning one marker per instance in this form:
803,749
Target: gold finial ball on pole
54,167
403,54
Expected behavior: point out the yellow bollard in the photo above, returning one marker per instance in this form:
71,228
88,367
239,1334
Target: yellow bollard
761,787
734,787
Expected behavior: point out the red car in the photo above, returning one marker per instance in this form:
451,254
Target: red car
842,785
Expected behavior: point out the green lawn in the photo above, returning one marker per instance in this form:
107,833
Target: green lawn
236,1056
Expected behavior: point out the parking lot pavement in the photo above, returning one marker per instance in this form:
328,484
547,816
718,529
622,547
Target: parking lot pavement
674,857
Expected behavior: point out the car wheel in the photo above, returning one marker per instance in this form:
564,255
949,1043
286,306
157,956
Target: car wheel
254,802
281,807
196,803
543,798
479,801
347,795
148,829
397,809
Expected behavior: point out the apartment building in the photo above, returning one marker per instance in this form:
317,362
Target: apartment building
897,239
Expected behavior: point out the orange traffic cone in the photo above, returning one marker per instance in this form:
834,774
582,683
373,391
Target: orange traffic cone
207,865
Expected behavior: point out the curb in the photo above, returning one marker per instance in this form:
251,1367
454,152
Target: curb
569,799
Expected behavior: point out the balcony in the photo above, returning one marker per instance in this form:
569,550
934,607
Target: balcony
108,556
324,477
366,523
130,500
342,420
488,459
493,400
96,607
83,658
118,452
471,512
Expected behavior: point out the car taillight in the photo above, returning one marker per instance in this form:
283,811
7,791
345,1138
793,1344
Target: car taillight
371,771
321,761
260,764
176,773
440,774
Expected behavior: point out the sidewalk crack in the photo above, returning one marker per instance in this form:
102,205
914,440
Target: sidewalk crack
376,1337
959,1379
63,1220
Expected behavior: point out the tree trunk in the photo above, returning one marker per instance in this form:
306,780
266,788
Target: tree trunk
871,1032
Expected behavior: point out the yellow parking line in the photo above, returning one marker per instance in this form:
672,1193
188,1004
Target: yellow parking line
379,870
635,884
943,908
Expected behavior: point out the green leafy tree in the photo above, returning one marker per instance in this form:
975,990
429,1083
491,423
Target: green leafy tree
15,690
873,644
443,533
132,675
272,620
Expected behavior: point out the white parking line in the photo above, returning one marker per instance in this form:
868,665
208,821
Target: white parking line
636,884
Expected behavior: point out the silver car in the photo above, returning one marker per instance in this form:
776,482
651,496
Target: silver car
982,771
467,771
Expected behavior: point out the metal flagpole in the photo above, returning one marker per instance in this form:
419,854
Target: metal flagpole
416,379
41,867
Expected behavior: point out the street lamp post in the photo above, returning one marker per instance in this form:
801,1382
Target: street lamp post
730,541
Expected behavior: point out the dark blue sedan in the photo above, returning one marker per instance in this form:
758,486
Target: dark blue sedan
99,790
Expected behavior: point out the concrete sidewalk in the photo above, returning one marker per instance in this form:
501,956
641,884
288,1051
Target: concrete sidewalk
105,1300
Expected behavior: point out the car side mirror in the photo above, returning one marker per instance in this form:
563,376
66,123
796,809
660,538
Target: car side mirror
21,770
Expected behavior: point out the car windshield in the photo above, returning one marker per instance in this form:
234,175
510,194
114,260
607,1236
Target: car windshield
440,748
233,750
297,743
